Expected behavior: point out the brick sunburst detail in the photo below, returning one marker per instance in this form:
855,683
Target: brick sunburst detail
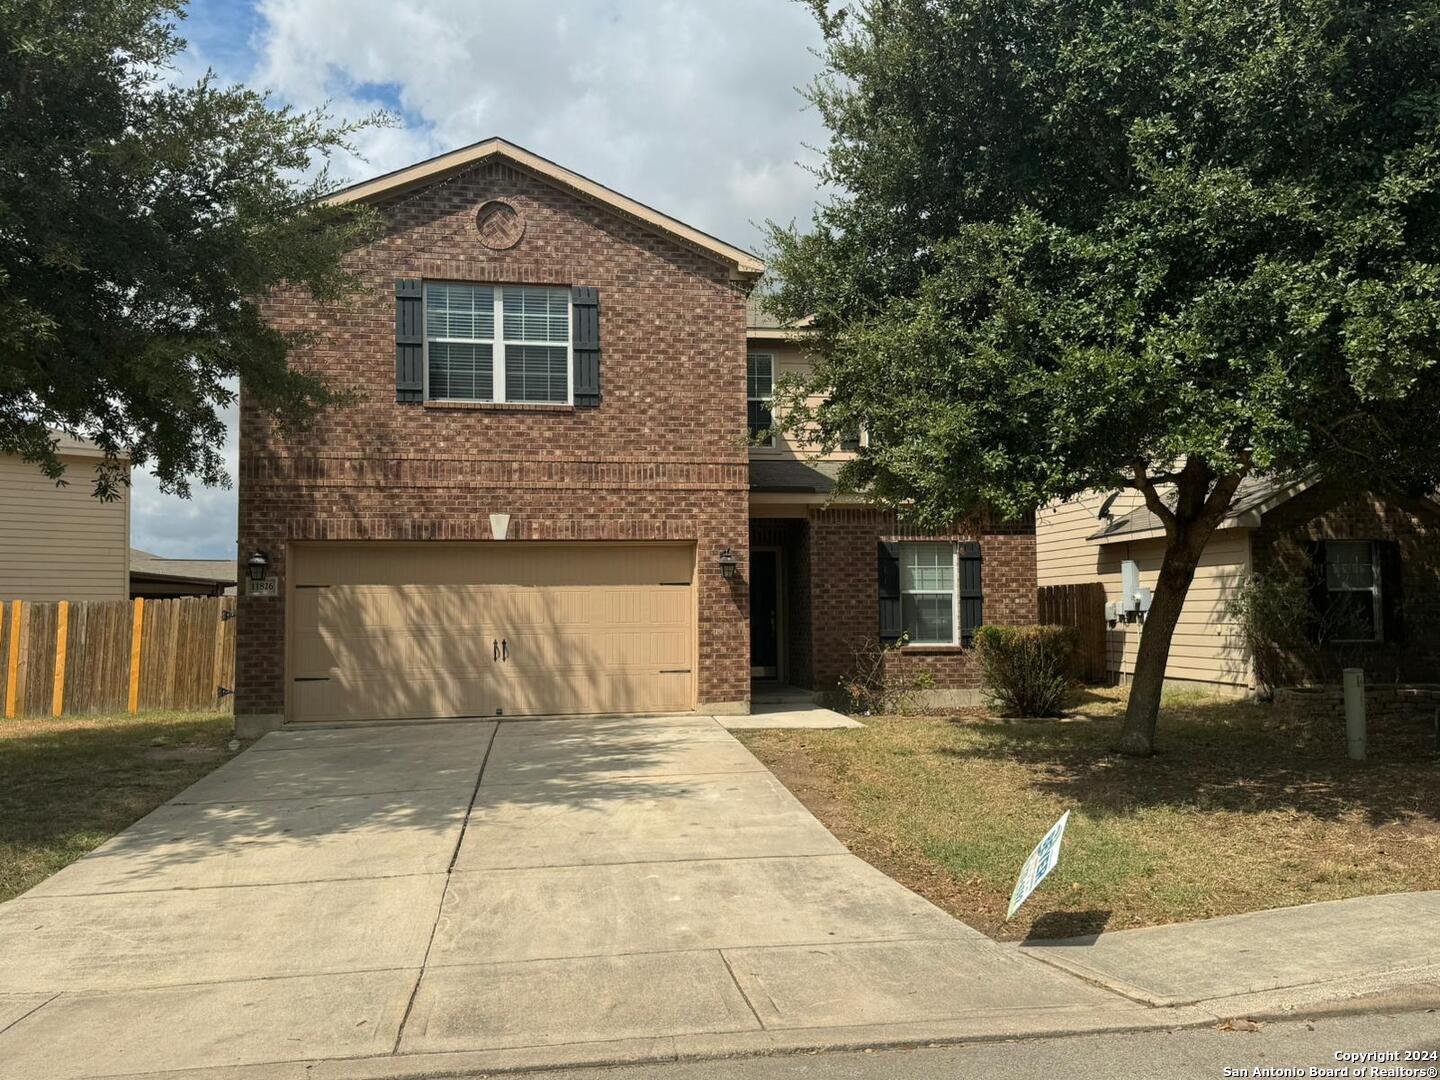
500,225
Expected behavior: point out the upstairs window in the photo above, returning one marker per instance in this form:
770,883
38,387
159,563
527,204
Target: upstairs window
1352,585
759,396
505,344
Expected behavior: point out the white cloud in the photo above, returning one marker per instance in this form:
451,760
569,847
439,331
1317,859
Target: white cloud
689,107
202,526
663,101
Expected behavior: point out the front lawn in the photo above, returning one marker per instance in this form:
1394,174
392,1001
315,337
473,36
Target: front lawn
68,785
1237,813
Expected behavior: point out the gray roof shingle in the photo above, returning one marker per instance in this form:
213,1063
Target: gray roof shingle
146,564
1254,495
792,475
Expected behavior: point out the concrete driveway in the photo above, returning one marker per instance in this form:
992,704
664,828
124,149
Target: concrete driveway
393,899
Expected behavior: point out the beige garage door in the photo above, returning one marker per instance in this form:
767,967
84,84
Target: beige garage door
382,631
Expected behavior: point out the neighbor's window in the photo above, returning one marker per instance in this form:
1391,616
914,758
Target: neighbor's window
527,361
759,393
927,593
1352,580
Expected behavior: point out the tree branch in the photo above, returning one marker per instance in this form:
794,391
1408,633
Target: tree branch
1219,499
1143,483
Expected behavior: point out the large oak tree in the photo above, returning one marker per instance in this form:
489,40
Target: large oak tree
1082,245
139,219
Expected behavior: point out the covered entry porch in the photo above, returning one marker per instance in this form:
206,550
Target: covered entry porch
779,577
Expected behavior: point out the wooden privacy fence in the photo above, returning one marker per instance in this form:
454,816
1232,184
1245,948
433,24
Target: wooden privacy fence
1083,607
114,655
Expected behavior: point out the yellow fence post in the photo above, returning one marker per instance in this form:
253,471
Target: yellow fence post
62,639
12,663
135,654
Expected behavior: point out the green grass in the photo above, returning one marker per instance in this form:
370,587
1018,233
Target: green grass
1236,813
68,785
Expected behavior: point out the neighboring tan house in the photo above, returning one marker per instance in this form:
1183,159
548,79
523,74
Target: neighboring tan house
61,542
1371,568
542,499
155,577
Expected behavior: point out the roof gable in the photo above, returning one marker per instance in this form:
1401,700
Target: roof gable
743,264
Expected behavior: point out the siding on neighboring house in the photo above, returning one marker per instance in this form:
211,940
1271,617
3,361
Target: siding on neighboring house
1062,554
61,543
1207,649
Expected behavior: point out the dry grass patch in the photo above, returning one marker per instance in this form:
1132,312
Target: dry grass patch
68,785
1237,812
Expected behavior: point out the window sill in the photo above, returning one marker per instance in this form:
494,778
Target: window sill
502,406
936,649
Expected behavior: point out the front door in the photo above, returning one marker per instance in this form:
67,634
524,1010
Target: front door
764,613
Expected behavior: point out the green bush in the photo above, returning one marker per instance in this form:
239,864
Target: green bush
1026,669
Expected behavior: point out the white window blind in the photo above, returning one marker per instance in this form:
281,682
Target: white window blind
759,395
527,362
927,592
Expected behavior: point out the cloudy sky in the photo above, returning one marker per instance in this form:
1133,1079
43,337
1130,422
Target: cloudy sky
688,105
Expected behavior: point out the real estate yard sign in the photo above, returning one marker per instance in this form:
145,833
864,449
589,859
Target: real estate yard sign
1041,861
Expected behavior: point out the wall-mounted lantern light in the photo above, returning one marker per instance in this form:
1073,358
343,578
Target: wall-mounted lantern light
257,565
727,565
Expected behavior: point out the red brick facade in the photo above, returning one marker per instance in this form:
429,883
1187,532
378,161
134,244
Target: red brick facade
1414,525
662,458
834,554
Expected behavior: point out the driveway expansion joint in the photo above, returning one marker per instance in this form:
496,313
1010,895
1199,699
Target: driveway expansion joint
440,907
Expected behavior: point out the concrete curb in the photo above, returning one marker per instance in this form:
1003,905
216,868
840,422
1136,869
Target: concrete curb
999,1027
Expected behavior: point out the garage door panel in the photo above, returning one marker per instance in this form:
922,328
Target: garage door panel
349,696
312,655
635,652
512,563
588,629
411,650
610,692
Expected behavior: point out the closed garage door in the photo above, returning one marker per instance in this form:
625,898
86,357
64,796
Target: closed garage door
382,631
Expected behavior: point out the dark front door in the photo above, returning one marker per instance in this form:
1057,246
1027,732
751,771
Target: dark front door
764,613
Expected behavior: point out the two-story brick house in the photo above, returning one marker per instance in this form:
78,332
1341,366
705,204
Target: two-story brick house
542,499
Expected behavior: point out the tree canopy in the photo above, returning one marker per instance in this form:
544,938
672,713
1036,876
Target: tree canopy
140,218
1077,244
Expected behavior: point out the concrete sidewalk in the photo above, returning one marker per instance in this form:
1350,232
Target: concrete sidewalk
1270,961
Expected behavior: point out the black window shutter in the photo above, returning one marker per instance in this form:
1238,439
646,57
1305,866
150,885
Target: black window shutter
972,595
1319,591
409,341
585,336
887,561
1392,593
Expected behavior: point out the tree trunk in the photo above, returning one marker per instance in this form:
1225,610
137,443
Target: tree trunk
1182,555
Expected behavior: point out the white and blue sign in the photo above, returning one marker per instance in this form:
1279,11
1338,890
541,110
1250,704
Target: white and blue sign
1041,861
